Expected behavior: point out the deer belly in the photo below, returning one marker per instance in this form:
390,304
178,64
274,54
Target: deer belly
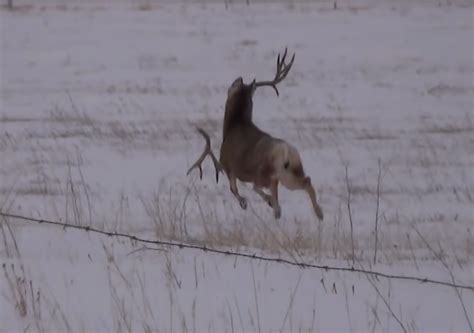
246,177
257,176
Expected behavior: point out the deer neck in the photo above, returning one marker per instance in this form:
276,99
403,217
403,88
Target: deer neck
238,112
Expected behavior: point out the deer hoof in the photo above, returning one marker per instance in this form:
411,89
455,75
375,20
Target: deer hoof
243,203
277,212
319,213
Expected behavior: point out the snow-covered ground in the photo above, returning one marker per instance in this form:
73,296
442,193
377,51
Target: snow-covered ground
98,106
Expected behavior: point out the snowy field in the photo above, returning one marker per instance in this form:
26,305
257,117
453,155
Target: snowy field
99,101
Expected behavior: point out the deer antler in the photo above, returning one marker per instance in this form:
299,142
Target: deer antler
207,151
281,73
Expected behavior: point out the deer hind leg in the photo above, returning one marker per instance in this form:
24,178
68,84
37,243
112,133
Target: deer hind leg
293,182
308,187
274,198
267,198
235,191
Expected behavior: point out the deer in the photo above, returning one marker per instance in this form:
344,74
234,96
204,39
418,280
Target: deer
251,155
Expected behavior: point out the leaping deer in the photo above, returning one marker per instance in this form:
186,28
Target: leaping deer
251,155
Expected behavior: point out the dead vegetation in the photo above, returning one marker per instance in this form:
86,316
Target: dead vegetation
178,212
412,210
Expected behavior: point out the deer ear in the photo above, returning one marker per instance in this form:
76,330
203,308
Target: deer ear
237,81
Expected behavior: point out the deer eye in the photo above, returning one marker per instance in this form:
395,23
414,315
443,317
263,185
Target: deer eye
286,165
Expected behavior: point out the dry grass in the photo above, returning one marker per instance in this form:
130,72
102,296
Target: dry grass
193,213
427,184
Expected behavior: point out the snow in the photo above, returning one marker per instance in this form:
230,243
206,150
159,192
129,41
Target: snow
99,101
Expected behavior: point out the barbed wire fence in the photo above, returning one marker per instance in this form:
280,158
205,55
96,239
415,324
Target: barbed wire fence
226,252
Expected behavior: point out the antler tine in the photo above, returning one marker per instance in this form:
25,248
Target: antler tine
281,72
207,151
286,68
283,58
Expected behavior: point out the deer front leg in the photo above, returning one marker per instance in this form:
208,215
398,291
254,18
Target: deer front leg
263,195
312,195
274,198
235,191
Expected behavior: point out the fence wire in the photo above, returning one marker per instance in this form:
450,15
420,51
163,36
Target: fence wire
204,248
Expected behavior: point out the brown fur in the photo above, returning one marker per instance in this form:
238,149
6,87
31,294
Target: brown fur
251,155
239,105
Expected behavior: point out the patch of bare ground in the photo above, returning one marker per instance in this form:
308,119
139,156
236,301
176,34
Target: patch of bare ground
450,129
7,119
375,135
22,9
443,89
